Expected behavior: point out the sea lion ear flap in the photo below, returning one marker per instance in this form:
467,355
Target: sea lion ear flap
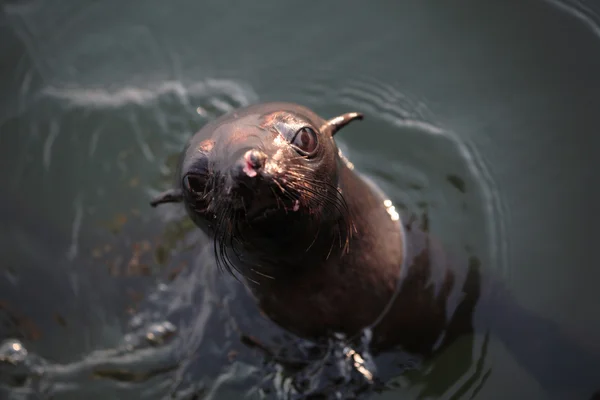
337,123
168,196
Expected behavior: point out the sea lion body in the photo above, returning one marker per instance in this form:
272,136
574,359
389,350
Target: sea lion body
333,287
323,250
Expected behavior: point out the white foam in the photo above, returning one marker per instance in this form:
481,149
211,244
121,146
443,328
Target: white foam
99,97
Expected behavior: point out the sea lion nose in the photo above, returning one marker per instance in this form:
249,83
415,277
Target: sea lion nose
253,161
245,179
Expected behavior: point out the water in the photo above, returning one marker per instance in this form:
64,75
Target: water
485,113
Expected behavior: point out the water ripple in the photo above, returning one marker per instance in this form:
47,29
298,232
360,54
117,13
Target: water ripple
495,207
54,131
105,98
581,11
146,151
74,247
385,102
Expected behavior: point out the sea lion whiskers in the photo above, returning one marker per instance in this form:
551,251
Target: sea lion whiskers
245,210
223,237
226,236
261,274
239,235
226,242
338,199
218,235
278,200
314,240
276,181
312,198
330,202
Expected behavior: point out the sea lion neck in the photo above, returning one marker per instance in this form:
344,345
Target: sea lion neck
334,244
339,289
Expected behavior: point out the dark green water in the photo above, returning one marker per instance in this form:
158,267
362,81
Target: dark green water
485,112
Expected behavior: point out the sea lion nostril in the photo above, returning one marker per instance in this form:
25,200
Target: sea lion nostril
254,160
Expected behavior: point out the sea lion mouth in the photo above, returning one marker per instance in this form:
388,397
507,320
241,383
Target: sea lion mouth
273,214
262,215
281,208
260,196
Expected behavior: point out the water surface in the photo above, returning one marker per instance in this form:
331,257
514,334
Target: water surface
484,114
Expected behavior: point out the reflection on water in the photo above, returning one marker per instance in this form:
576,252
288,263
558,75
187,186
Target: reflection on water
103,297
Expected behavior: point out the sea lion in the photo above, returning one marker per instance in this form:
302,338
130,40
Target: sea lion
324,251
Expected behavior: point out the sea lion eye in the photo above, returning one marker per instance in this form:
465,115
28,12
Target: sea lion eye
305,140
194,183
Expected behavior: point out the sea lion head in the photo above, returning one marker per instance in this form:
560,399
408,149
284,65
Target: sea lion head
263,181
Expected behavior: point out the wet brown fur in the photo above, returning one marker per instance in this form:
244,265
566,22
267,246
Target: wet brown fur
323,283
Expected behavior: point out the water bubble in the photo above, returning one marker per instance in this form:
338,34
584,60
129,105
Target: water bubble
158,333
12,351
162,287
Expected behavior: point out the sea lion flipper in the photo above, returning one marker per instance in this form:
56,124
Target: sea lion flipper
337,123
168,196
